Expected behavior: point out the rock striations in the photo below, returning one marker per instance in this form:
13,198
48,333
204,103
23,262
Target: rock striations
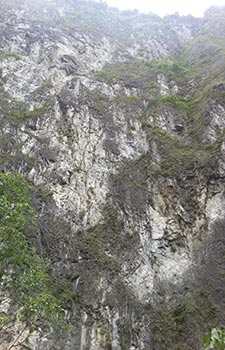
116,120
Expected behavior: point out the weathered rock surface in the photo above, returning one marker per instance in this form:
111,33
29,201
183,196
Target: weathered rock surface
117,122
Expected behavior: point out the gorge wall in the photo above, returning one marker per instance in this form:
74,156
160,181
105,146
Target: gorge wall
116,120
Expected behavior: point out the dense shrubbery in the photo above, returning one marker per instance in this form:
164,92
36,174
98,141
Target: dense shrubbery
24,276
214,340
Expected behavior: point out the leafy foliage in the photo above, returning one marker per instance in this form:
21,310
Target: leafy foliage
176,101
24,274
214,340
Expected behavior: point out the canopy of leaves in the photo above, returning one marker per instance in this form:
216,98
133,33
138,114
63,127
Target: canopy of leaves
24,275
214,340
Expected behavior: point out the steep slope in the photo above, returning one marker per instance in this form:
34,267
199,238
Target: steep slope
117,121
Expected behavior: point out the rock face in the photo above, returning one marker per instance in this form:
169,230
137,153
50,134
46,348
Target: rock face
117,122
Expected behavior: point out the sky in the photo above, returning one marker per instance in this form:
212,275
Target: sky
163,7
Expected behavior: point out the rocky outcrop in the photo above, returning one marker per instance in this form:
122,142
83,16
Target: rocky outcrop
117,122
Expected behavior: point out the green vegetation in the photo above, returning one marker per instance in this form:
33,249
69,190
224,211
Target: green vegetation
80,18
96,100
24,275
102,249
214,340
17,112
172,69
176,101
97,240
153,86
190,153
133,73
24,114
177,157
108,76
127,101
125,330
4,54
180,326
48,83
142,72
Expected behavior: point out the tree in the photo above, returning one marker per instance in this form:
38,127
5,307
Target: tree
25,281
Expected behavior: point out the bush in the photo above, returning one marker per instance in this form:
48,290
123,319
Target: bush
214,340
24,275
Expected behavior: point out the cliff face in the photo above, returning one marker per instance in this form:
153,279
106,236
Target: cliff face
117,122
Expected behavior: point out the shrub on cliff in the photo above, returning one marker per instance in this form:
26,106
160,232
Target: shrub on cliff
26,295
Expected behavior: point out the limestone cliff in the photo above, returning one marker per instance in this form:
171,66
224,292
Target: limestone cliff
116,120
